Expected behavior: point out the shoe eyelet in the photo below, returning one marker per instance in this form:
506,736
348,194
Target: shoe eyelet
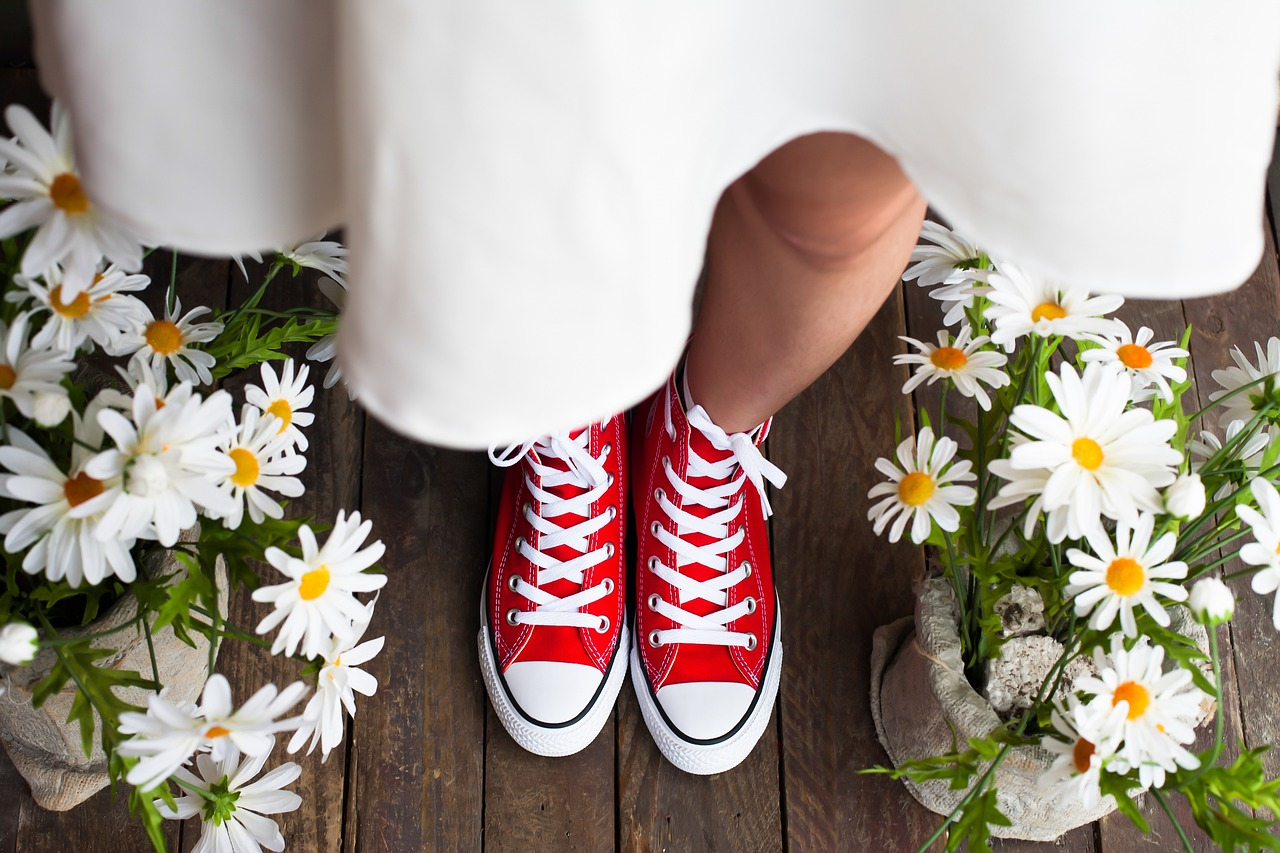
747,566
608,550
666,461
609,481
608,585
519,543
751,604
654,600
603,626
607,449
752,642
653,564
612,512
654,528
512,581
653,639
658,494
511,616
526,509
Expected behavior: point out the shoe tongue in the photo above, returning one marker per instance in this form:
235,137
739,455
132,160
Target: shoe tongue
564,553
564,490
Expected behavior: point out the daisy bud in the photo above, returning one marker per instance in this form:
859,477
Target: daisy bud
1211,601
1185,497
18,644
51,408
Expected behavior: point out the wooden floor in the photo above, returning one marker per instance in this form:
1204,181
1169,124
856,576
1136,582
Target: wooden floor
428,766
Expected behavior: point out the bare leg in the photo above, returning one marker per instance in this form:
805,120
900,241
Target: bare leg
803,250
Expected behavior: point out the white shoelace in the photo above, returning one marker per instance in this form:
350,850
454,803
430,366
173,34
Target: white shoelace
584,472
711,629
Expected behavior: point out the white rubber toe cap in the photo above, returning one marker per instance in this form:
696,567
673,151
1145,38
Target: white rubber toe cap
552,692
705,710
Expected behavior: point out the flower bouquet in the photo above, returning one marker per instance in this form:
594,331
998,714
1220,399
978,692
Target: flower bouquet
1078,513
135,497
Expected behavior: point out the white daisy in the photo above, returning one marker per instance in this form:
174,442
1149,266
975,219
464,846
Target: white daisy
1080,749
1117,577
167,462
326,256
27,371
167,735
231,806
962,361
1244,405
256,449
317,602
101,313
60,530
1212,601
1249,454
1150,365
922,490
1264,551
169,340
285,397
1024,486
327,347
950,267
46,192
1160,709
19,643
1023,303
1101,459
336,685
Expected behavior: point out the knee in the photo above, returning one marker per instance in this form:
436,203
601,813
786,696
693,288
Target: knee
828,200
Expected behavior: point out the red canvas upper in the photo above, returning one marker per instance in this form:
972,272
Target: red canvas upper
677,663
564,644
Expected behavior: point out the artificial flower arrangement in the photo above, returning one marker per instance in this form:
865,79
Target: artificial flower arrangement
96,478
1078,486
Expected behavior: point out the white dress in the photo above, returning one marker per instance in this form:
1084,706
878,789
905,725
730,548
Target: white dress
527,186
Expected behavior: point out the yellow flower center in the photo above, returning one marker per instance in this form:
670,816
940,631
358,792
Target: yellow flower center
1081,755
282,410
246,473
1137,697
1125,576
67,194
314,583
1087,453
1047,311
163,336
216,732
948,358
7,377
915,488
1134,357
73,310
81,488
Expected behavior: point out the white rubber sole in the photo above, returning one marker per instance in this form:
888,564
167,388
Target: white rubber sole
704,759
552,741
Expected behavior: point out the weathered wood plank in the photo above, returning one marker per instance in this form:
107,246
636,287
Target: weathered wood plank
420,741
839,582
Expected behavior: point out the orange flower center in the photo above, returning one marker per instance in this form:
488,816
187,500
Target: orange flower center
216,732
915,488
163,336
1087,452
67,194
1081,754
1047,311
81,488
948,358
246,473
1125,576
7,377
1137,697
282,410
73,310
1134,357
313,584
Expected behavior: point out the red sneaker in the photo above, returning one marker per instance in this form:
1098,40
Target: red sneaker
707,653
553,646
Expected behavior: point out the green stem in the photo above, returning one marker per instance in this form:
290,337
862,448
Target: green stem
172,294
151,651
1164,805
1228,396
252,301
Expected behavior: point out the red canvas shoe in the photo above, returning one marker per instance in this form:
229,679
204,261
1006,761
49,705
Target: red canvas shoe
553,646
707,654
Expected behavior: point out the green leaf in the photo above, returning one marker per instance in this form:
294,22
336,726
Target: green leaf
974,823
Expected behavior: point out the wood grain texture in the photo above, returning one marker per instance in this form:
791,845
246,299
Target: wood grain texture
420,741
838,583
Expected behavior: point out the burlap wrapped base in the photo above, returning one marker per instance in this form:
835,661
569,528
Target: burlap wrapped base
918,686
46,748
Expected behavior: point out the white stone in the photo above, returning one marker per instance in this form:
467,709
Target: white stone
1014,678
1021,612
